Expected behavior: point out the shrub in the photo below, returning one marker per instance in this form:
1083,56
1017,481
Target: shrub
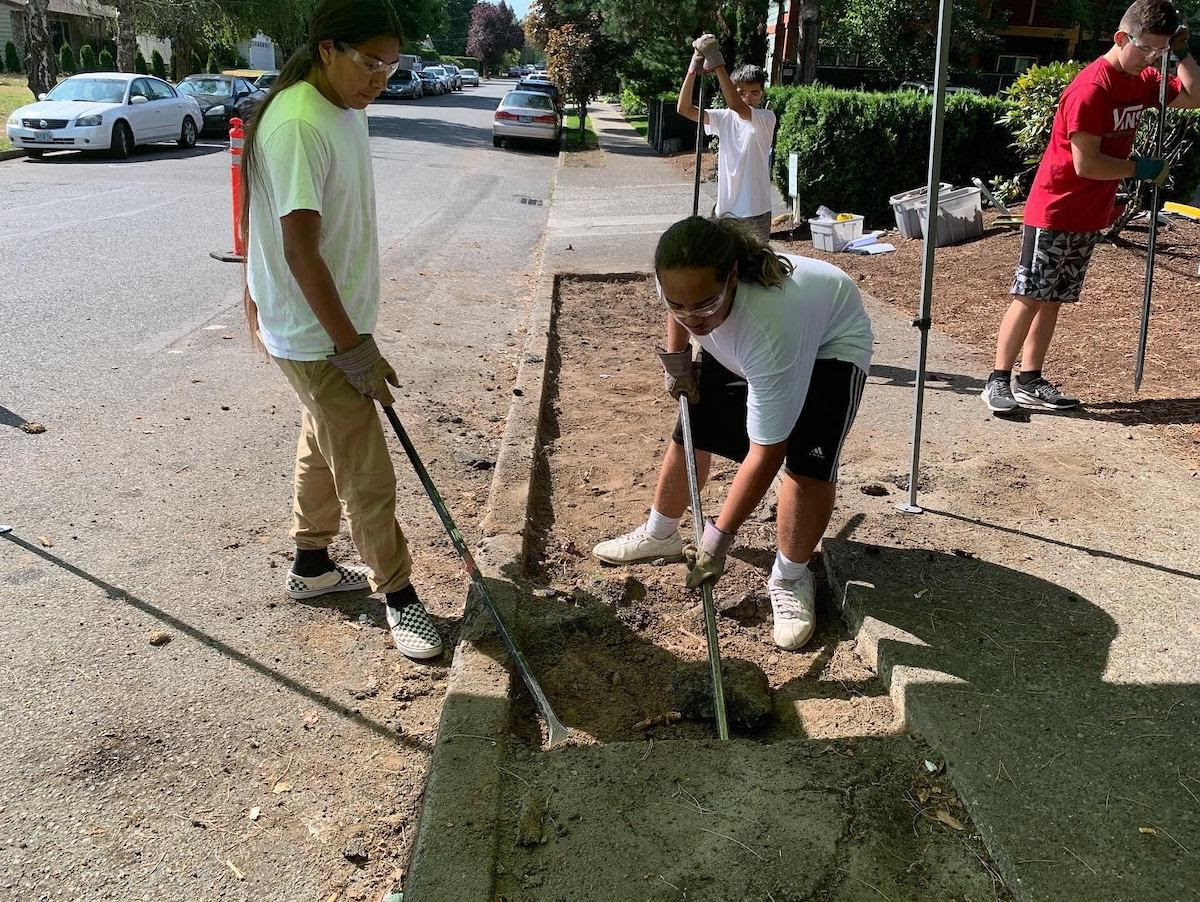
107,63
12,60
631,104
66,60
87,59
858,148
158,65
139,64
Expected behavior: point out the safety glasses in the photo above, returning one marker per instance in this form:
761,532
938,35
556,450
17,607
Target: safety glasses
706,308
1146,49
369,64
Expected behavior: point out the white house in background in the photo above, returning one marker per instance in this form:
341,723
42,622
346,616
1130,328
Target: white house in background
75,22
259,52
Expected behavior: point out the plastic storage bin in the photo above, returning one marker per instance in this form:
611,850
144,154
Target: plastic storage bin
960,216
830,235
905,207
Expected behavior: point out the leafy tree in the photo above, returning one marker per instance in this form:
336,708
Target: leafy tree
87,59
494,31
452,38
898,36
577,62
213,66
66,60
12,60
107,63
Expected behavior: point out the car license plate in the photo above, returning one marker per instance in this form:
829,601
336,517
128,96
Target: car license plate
44,137
526,118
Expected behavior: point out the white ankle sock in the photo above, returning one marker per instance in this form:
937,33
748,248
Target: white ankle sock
786,569
661,527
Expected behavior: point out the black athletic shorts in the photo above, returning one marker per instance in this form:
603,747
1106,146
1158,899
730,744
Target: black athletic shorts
815,443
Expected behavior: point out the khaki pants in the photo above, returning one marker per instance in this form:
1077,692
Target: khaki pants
342,459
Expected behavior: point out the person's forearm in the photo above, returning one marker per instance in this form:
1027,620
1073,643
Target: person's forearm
1189,79
684,106
317,285
750,485
677,336
1104,168
733,100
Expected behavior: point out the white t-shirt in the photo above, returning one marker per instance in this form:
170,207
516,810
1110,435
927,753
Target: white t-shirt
773,336
744,172
312,155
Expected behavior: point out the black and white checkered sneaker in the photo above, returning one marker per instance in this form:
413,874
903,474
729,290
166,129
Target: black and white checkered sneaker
339,579
412,630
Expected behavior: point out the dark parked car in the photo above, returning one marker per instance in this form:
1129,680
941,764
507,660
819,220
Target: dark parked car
221,97
431,83
545,87
403,84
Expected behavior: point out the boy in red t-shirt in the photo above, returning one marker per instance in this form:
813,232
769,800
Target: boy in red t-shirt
1072,196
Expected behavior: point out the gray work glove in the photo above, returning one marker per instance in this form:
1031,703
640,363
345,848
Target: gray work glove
697,64
708,47
707,563
682,374
367,371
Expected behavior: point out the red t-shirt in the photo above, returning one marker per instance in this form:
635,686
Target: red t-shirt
1100,100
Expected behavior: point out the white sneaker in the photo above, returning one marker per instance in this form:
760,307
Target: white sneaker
639,547
339,579
794,604
412,630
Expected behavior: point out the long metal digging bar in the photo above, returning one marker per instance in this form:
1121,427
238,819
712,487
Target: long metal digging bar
557,730
1148,292
689,452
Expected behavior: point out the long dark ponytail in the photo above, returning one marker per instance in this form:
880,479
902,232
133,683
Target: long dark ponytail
720,243
346,21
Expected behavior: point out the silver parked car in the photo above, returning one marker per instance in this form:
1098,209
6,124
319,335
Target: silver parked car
526,114
470,77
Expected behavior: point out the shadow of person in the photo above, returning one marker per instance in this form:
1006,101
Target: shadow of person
1083,787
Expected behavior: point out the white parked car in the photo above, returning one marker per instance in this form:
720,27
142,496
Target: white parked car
470,77
526,114
106,111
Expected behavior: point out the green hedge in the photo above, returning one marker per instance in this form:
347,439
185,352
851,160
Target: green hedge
12,59
858,148
463,62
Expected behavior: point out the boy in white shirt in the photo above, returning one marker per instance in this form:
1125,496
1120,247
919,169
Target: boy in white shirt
746,133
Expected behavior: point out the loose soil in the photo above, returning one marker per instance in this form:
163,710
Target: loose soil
605,643
1095,344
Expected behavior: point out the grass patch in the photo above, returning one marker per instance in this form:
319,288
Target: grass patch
571,130
640,123
14,92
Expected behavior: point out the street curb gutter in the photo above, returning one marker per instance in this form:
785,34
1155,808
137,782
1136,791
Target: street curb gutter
455,850
11,154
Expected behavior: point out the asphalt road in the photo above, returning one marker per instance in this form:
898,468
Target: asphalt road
159,499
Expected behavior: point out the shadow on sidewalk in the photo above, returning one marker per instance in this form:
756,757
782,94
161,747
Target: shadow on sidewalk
292,685
1083,788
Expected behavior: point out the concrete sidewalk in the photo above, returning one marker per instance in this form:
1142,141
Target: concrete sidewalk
607,218
1040,625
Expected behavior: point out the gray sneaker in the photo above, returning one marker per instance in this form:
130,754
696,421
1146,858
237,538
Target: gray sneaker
998,396
1041,394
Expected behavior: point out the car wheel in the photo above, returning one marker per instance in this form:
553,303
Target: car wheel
122,141
497,141
187,133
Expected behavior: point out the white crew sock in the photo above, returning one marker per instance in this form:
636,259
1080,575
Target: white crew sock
661,527
786,569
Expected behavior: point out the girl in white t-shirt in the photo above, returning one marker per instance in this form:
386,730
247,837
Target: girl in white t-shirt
785,350
312,297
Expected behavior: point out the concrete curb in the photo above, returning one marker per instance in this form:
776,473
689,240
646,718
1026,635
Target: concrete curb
454,855
11,154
